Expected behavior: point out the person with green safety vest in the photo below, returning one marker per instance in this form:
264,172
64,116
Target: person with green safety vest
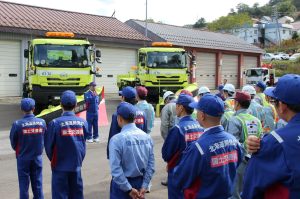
241,125
228,113
255,108
260,96
270,114
229,91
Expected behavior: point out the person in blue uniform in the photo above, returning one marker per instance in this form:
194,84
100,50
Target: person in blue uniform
65,147
92,101
273,171
27,139
179,138
131,157
128,95
208,166
143,105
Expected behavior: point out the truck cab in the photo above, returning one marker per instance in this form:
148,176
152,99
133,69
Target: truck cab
57,63
266,75
160,68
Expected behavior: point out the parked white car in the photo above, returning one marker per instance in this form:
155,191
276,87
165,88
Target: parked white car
282,56
268,57
295,56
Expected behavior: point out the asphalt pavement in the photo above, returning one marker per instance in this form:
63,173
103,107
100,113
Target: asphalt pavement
95,170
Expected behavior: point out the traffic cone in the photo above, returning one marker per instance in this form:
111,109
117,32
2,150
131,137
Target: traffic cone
102,119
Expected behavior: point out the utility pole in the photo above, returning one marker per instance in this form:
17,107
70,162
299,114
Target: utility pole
275,17
146,21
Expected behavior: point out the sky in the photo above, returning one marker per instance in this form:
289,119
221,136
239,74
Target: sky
175,12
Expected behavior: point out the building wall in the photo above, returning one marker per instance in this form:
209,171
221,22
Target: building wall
285,34
250,35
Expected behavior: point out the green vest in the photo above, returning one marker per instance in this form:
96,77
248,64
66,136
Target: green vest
228,114
263,99
251,126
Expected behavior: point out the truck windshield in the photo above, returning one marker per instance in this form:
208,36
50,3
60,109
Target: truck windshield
61,56
166,60
254,73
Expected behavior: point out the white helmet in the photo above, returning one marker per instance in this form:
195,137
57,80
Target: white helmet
229,87
249,89
203,90
167,94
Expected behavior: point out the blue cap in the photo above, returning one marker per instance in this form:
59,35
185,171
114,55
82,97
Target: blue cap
287,89
27,104
93,84
185,100
220,87
68,98
210,104
269,92
126,110
261,85
128,92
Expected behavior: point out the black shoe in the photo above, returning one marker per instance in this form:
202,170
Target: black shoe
164,183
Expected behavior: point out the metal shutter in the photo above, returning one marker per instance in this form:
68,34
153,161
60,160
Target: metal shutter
229,69
10,68
115,61
249,62
206,69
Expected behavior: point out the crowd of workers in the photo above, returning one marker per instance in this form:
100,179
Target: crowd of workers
233,144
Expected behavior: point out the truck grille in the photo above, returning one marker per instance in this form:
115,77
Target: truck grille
58,79
63,82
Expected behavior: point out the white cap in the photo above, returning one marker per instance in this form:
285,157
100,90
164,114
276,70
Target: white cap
167,94
229,87
203,90
249,89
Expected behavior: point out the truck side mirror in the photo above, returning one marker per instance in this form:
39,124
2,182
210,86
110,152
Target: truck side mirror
98,60
98,54
26,53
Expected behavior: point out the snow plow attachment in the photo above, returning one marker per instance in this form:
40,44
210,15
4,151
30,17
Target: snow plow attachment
80,110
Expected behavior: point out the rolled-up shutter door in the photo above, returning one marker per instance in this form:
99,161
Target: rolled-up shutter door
206,69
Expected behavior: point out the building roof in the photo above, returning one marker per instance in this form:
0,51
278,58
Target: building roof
296,25
28,19
188,37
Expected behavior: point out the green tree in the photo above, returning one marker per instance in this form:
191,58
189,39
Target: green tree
201,23
295,36
243,8
227,23
297,4
286,8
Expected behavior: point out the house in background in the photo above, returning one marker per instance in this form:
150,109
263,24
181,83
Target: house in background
265,32
275,33
296,27
248,33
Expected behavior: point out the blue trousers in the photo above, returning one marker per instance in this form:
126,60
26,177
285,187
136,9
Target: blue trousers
117,193
67,185
92,120
173,192
30,171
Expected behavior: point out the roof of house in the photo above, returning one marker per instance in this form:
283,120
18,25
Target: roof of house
188,37
28,19
296,25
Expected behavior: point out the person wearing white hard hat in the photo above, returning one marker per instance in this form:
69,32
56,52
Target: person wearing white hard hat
255,108
203,90
229,91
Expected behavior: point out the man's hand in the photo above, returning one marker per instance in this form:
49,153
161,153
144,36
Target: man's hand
253,144
142,193
134,194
